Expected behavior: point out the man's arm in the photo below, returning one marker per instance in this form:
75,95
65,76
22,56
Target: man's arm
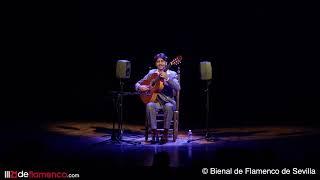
173,81
138,84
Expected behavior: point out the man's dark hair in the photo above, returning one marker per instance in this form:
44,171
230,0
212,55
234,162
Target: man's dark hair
161,55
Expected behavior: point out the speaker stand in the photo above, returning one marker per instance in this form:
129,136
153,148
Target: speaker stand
208,135
116,137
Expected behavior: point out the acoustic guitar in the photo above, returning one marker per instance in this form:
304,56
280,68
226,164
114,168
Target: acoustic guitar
155,83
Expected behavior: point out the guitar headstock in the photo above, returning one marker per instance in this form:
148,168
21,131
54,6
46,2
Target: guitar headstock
176,60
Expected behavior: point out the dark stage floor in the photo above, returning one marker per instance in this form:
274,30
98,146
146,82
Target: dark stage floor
83,147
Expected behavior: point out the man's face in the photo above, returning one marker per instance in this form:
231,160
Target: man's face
161,64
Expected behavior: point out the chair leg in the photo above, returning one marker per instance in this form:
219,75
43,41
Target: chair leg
176,126
175,134
146,136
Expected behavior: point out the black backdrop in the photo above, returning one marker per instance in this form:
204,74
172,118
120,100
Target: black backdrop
61,59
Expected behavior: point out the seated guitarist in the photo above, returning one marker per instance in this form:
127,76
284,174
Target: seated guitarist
164,99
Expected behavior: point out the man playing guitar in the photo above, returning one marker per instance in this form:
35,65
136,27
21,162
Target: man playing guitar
157,92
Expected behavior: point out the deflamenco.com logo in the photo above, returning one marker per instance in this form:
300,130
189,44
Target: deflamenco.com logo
40,174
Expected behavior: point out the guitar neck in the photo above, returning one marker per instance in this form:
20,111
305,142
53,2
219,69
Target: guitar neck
167,67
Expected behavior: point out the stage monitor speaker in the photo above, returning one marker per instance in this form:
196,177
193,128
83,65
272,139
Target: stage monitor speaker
206,70
123,69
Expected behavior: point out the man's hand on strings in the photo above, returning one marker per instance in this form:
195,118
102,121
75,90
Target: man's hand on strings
164,75
143,88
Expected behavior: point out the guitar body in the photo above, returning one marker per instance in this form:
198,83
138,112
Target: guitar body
154,89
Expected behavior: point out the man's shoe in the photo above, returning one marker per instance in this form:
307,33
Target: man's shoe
164,138
155,137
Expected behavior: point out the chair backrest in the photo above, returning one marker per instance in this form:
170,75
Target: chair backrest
177,94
